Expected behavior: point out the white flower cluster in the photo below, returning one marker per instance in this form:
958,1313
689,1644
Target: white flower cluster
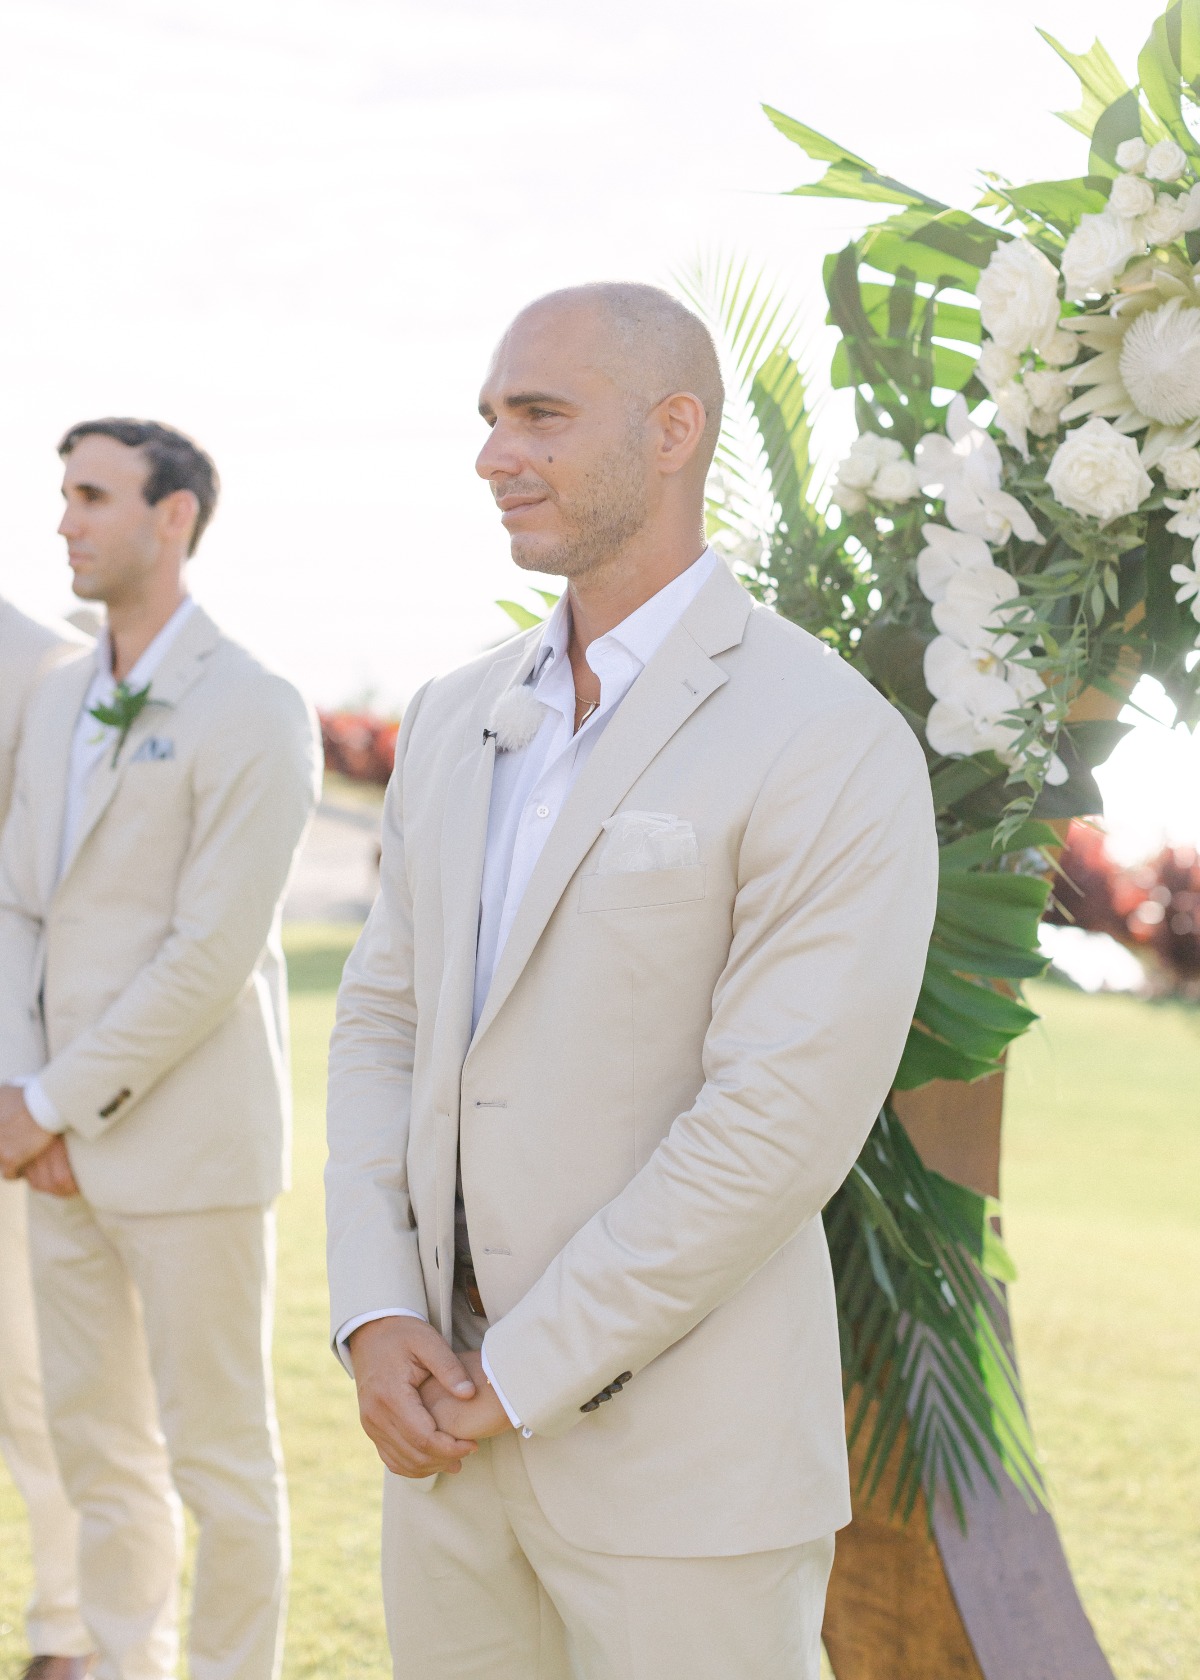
876,469
974,683
1019,307
975,686
1135,217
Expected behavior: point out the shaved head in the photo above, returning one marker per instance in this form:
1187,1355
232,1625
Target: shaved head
604,404
652,346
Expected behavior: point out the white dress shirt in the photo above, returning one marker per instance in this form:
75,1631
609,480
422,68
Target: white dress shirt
89,744
531,785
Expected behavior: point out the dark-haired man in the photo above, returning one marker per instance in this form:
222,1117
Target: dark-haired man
161,791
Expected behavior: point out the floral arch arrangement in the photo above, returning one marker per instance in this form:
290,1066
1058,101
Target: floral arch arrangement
1012,538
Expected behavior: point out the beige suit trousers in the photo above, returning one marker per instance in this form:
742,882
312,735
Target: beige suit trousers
478,1586
155,1332
53,1625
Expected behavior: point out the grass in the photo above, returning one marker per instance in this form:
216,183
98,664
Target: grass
1102,1166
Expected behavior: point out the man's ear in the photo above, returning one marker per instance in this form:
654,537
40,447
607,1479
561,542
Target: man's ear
178,513
683,420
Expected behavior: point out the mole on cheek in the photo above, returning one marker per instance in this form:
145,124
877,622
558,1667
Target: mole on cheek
549,460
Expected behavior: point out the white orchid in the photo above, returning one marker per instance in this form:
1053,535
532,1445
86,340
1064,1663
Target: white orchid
946,555
1188,579
1185,521
965,469
968,611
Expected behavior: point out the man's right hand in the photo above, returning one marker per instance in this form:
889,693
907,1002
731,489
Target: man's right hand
392,1357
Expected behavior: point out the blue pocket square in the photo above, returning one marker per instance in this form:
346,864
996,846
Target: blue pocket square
153,748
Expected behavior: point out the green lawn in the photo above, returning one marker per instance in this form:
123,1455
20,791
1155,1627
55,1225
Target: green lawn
1102,1173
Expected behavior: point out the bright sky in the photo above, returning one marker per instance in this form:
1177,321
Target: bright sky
296,228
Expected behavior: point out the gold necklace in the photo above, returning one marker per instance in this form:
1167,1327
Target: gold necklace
589,706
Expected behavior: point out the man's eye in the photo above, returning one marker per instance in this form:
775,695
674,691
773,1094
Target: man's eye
541,414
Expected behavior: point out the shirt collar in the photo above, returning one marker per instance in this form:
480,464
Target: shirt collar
146,667
641,634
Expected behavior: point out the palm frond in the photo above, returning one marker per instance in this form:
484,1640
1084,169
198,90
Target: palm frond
919,1271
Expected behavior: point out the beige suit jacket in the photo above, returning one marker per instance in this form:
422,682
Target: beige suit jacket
148,983
28,650
673,1072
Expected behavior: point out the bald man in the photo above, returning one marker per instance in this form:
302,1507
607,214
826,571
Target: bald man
618,1025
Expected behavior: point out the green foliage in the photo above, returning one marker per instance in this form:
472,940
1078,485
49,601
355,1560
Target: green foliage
918,1267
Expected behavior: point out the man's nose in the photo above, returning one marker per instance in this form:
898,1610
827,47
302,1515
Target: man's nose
68,525
498,455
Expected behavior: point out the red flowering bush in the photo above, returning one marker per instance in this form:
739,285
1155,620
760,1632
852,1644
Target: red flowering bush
1153,908
359,745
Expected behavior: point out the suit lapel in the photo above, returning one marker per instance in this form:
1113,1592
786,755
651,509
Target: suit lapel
678,679
464,841
183,665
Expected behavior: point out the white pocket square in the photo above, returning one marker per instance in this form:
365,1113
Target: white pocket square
154,748
637,840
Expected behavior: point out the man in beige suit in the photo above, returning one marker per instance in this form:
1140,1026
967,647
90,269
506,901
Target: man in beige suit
161,791
57,1636
657,884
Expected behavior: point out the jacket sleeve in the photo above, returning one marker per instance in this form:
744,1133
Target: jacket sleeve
374,1265
831,923
22,1043
254,788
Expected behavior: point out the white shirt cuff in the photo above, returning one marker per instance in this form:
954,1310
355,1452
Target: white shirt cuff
499,1393
351,1325
39,1104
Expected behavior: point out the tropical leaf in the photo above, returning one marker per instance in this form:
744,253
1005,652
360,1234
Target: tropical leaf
926,1362
521,616
1100,83
848,175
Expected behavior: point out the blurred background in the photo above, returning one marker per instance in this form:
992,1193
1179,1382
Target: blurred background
295,228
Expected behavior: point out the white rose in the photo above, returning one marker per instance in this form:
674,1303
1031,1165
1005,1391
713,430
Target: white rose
1096,253
1130,196
1164,223
1186,519
896,481
1181,468
870,446
1189,209
1048,389
1018,295
996,366
1098,472
856,472
848,498
1166,161
1132,155
1061,351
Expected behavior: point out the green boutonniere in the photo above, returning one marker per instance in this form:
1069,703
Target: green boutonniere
122,714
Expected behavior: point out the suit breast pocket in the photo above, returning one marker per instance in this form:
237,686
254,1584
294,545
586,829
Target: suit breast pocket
641,888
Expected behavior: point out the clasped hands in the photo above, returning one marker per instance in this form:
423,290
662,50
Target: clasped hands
29,1151
425,1407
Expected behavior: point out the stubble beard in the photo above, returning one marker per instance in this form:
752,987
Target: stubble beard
610,509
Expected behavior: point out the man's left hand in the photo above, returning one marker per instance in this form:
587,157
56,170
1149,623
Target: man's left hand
471,1420
51,1171
22,1140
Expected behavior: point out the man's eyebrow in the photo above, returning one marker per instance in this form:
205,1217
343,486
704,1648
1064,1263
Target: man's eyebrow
529,399
86,488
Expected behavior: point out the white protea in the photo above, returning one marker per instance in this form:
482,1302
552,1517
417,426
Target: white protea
1160,363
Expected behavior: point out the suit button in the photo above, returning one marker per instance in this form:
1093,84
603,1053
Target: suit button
590,1406
626,1376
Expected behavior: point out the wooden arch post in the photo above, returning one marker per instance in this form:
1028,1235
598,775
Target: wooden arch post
921,1600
